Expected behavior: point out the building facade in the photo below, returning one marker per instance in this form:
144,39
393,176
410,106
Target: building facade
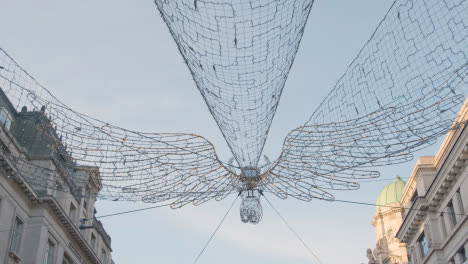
424,220
386,222
40,222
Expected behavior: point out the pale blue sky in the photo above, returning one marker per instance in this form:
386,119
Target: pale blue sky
116,61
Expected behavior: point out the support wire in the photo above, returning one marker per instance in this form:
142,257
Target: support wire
216,230
292,230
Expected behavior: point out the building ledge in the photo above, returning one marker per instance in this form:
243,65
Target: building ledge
412,219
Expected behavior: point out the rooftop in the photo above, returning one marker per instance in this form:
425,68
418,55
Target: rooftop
391,193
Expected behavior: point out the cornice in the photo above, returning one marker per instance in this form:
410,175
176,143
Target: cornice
412,220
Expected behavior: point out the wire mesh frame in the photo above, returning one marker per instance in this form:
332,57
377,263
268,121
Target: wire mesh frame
400,94
240,54
376,115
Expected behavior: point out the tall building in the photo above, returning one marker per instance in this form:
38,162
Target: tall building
39,223
425,220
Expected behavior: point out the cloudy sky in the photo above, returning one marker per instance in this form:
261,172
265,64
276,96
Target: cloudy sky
115,60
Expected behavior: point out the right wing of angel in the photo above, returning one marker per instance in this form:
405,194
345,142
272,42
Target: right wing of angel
399,95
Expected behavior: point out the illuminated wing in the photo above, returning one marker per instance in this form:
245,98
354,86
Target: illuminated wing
399,95
173,167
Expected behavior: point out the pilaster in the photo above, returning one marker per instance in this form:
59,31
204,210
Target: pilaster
442,226
464,191
448,221
416,251
458,206
60,251
433,231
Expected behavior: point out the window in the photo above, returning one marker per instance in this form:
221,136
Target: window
93,241
423,245
451,212
103,257
15,239
5,118
49,252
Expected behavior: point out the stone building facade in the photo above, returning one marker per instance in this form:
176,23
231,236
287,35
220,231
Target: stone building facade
425,220
387,220
40,223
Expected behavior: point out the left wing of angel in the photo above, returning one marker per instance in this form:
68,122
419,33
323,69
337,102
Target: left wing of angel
153,167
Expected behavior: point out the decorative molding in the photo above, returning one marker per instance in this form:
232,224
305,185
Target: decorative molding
381,215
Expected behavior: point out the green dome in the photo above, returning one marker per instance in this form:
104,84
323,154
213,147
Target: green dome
391,193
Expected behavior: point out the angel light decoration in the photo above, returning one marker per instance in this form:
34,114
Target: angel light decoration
398,95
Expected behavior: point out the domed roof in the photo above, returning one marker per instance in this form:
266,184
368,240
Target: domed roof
391,193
